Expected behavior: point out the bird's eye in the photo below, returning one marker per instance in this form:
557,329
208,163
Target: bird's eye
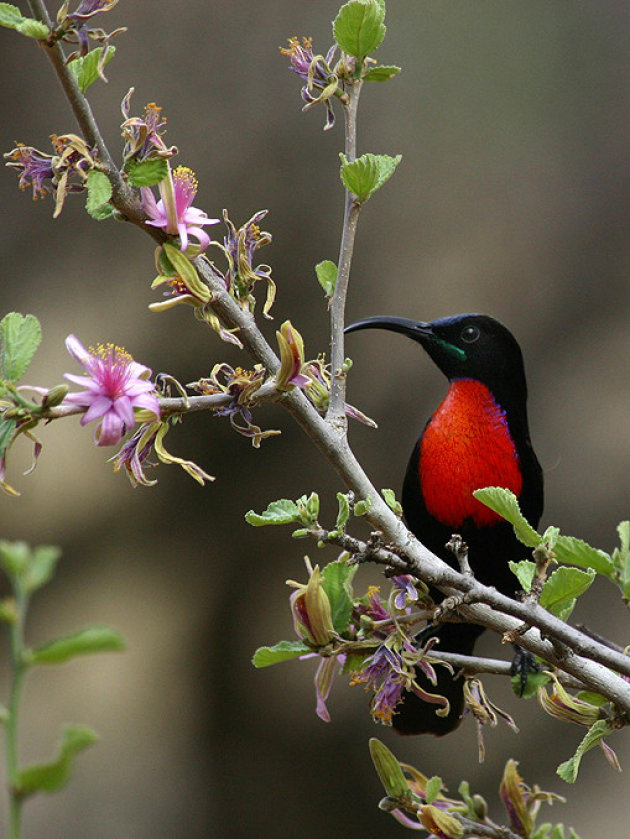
470,334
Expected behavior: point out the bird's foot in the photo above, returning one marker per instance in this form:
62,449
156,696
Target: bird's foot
523,665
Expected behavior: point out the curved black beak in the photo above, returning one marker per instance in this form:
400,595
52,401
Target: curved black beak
417,330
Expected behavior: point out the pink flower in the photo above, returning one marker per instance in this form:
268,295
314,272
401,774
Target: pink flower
174,212
115,385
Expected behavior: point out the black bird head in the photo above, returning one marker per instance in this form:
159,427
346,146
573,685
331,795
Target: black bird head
466,347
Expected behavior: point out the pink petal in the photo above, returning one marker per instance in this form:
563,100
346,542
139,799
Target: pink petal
110,431
99,406
78,351
122,406
183,235
148,402
201,236
149,204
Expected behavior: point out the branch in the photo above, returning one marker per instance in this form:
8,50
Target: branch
336,409
124,197
578,655
493,609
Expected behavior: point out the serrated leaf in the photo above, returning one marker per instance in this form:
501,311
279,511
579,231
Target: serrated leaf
41,567
577,552
390,499
367,173
344,511
99,191
525,570
388,770
282,651
382,73
32,28
86,68
326,272
10,15
282,511
50,777
93,639
358,28
568,770
337,583
563,586
433,789
505,503
146,172
20,336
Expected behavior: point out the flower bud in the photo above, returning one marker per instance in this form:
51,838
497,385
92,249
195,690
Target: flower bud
55,396
561,705
291,358
311,610
512,792
439,823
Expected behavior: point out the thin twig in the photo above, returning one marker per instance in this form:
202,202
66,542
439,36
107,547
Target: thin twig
123,198
336,409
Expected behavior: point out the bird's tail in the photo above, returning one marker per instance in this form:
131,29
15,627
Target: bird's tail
415,716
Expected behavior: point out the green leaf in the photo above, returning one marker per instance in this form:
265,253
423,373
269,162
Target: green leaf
568,770
592,698
146,172
353,662
33,29
92,639
86,68
576,552
623,529
7,427
344,511
525,570
367,173
52,776
362,506
621,559
99,192
326,272
14,557
433,789
358,28
563,586
282,651
10,15
505,503
282,511
390,499
389,770
382,73
20,336
309,507
41,567
337,583
533,682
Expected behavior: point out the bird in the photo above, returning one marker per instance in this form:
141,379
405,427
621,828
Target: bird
477,437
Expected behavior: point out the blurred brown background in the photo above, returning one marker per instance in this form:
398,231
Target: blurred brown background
513,198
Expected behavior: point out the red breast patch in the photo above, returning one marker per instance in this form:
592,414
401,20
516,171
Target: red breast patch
466,446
